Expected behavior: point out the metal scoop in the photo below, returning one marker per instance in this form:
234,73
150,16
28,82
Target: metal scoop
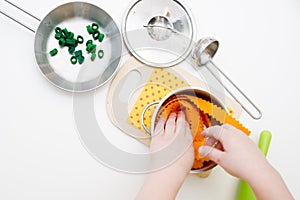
203,53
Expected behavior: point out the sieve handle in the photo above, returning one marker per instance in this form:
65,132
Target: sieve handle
259,114
16,20
143,115
203,53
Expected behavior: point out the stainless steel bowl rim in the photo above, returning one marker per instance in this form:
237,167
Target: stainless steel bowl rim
182,90
49,79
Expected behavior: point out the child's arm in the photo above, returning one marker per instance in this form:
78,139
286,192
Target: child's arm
240,157
165,183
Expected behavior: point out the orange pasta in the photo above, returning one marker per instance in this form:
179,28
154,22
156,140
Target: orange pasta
197,120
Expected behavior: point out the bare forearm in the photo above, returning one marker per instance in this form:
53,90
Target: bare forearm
163,184
269,185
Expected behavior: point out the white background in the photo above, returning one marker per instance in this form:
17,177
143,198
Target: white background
41,156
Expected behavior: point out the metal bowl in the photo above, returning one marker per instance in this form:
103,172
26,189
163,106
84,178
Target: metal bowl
58,70
195,92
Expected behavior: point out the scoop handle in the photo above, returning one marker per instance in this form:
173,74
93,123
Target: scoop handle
245,191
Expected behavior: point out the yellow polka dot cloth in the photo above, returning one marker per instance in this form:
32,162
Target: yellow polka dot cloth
160,83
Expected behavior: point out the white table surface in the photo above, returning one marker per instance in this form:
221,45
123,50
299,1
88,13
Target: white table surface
41,156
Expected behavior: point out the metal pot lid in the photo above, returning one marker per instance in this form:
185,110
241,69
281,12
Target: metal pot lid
159,33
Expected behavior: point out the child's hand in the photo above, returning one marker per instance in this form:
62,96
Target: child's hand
240,157
165,183
165,133
237,153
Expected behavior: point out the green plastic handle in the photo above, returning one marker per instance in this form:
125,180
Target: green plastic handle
264,141
245,191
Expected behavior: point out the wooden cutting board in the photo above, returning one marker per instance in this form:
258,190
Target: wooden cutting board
136,85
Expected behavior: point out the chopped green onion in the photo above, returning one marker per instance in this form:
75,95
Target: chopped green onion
95,26
71,35
62,42
76,43
89,29
71,42
78,53
57,30
96,35
94,49
91,48
80,59
53,52
101,54
67,39
73,60
58,36
80,39
89,42
93,57
71,50
65,32
101,37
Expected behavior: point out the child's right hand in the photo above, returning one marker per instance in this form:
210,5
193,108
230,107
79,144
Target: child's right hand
237,153
240,157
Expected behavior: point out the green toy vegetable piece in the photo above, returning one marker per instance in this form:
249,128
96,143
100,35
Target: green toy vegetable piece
57,36
73,60
89,42
101,37
53,52
71,50
80,59
66,38
91,48
93,57
100,53
88,48
76,43
71,35
65,32
62,42
57,30
96,35
94,49
89,29
78,53
71,42
80,39
95,26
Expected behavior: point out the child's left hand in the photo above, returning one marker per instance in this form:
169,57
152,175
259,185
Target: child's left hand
165,133
170,177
